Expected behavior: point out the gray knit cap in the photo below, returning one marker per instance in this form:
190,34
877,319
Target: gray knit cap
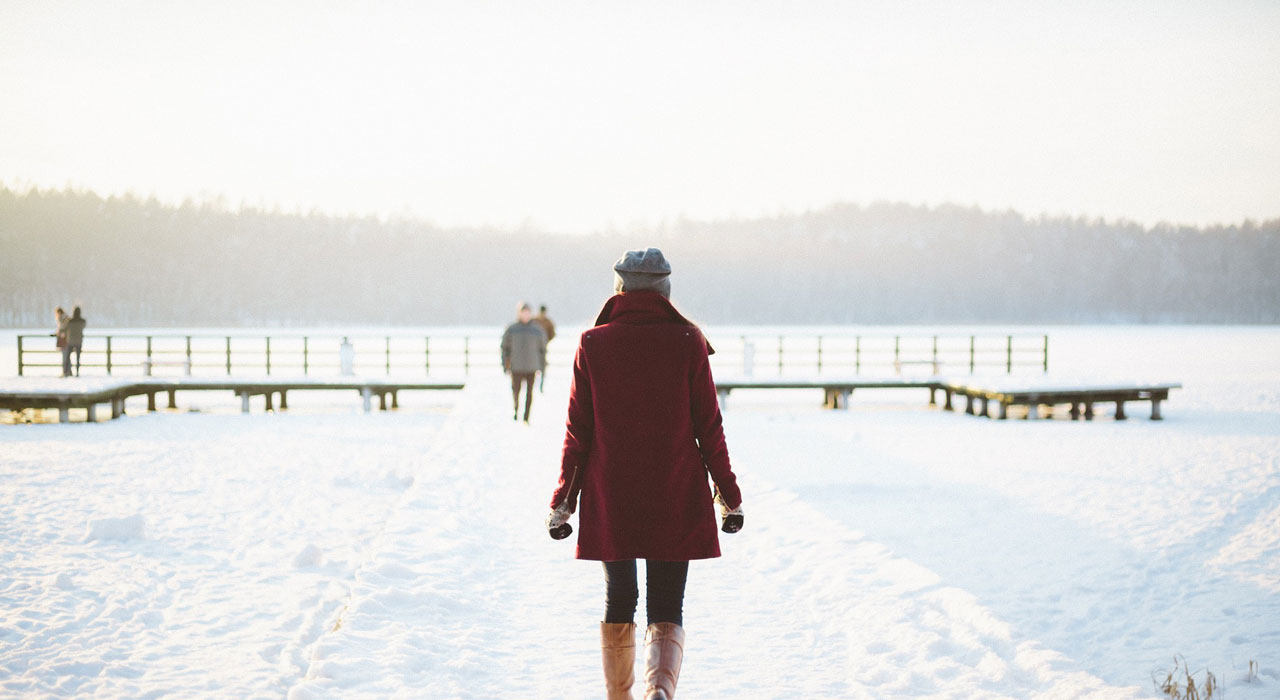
641,270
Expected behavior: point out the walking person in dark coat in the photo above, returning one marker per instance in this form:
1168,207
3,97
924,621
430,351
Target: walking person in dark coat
524,354
544,322
643,433
75,339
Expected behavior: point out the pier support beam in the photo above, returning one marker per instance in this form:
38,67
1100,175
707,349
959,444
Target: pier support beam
244,402
1120,411
366,393
1155,410
173,398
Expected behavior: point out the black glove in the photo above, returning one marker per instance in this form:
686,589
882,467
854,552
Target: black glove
558,523
730,519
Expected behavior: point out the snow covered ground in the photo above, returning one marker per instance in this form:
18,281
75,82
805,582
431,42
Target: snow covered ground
889,551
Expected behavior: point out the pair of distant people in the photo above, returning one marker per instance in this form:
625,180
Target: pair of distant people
524,354
70,337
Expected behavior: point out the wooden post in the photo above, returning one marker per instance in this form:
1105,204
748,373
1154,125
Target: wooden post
935,355
149,356
986,407
109,356
972,350
819,354
1155,409
173,398
857,354
780,356
151,401
1004,410
1120,411
1046,354
306,360
897,360
426,354
19,356
933,400
93,413
266,397
968,404
246,399
1075,410
395,400
268,369
466,355
388,346
946,406
382,400
1009,354
1088,410
284,400
188,364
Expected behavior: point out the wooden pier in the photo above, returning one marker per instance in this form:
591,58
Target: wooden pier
65,394
989,397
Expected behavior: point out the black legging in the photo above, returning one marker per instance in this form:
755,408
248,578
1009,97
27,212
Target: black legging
663,590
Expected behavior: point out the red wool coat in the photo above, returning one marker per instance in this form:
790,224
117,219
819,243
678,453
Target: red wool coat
644,431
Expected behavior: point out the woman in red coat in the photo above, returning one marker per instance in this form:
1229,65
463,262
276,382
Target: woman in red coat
643,433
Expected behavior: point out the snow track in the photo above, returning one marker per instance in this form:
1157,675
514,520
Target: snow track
467,597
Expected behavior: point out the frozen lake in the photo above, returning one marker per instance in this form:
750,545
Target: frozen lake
889,551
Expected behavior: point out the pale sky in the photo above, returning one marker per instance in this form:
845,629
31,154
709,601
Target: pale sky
580,115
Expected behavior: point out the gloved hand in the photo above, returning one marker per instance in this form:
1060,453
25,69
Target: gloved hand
558,523
730,519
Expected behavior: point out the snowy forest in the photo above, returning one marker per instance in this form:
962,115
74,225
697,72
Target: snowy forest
132,261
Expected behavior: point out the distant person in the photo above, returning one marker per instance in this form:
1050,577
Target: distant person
644,431
544,322
524,354
60,338
60,319
75,339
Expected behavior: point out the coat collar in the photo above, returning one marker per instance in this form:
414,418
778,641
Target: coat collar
641,308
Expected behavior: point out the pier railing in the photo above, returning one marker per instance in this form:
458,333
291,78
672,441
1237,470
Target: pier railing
787,354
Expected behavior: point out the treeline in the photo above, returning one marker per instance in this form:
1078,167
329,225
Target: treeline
139,262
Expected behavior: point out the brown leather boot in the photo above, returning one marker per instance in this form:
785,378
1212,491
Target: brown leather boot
664,650
618,651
